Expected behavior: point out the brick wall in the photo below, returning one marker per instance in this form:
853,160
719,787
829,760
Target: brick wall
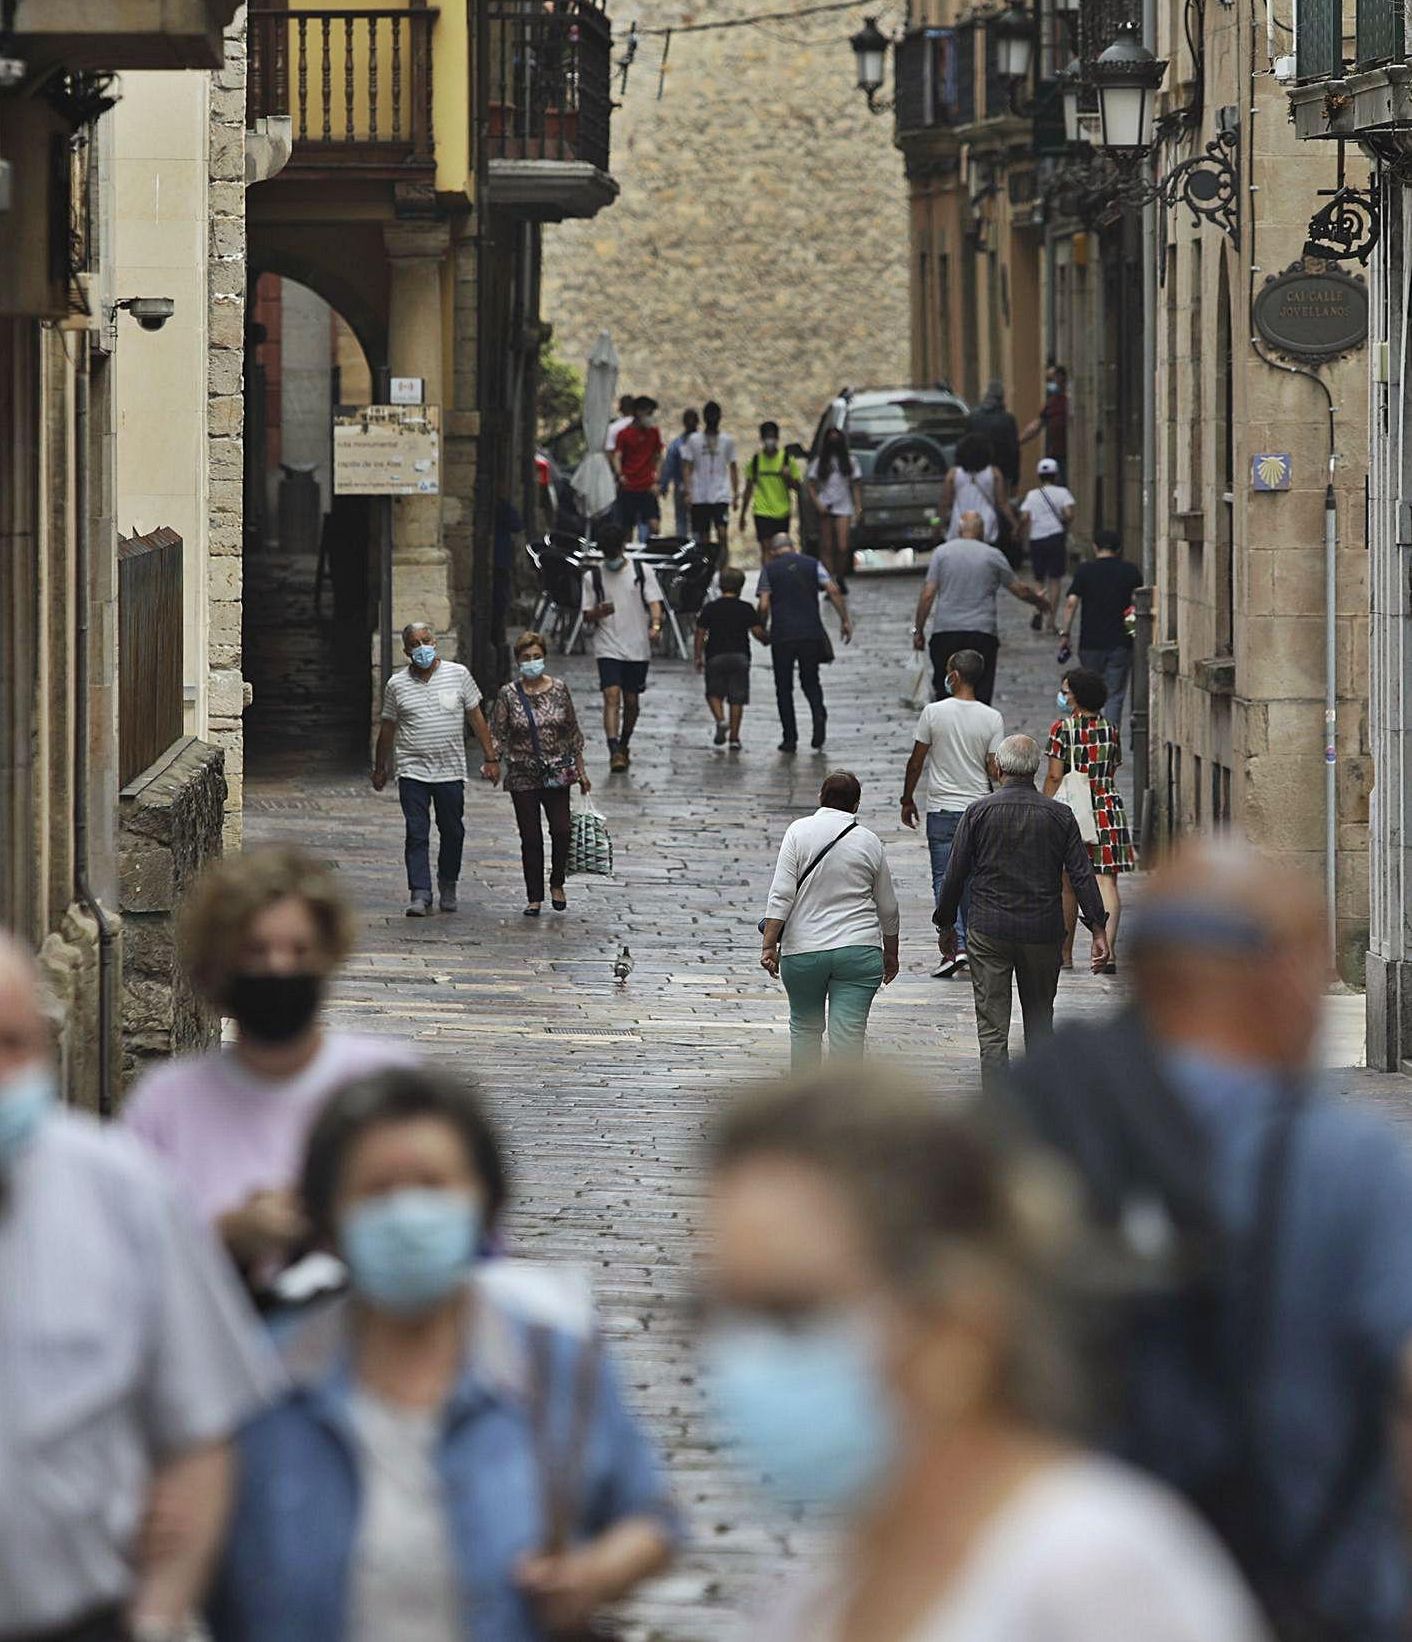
758,251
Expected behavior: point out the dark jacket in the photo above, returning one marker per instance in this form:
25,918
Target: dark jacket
1000,427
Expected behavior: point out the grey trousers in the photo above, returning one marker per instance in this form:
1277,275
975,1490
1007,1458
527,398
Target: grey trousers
1035,969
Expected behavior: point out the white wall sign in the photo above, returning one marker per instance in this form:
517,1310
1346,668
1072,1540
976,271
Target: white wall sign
406,390
387,450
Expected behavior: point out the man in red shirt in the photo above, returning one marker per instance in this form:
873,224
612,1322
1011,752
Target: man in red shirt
1053,420
636,456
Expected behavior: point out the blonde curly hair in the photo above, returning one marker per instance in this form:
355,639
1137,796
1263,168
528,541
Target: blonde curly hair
231,892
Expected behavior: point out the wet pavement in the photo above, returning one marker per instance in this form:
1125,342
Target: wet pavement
604,1087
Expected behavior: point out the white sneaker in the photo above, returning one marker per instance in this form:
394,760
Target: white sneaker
948,967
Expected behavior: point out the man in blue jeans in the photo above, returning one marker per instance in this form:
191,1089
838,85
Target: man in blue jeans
956,740
425,710
1105,586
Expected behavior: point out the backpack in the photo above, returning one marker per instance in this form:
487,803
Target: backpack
637,573
1195,1331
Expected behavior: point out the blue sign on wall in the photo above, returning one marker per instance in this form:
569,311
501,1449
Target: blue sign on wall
1270,470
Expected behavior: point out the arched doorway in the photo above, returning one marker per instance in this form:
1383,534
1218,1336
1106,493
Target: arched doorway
309,567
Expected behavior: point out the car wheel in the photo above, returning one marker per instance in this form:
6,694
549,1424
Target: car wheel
910,456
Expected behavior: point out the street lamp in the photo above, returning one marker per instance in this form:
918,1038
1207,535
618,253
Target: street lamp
870,51
1127,77
1013,32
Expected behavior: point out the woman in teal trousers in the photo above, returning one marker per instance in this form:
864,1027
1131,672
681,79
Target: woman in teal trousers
830,926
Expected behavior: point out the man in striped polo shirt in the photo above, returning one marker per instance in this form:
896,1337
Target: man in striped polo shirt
425,709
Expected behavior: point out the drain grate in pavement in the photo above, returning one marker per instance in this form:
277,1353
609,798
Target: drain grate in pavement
590,1032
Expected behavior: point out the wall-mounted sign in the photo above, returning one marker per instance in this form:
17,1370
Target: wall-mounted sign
406,390
1270,470
387,450
1312,314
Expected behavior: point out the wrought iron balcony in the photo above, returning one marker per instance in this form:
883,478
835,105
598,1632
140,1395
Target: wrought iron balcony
357,84
547,126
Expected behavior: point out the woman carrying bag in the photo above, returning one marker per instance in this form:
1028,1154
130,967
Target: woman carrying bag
534,722
1085,750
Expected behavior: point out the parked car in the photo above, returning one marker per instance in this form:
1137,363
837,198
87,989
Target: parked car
904,440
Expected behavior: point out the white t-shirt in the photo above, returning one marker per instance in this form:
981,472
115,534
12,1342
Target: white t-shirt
615,427
958,736
1087,1552
710,456
836,492
626,634
1044,508
430,715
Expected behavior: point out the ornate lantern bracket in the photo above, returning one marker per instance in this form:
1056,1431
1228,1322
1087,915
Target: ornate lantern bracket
1208,184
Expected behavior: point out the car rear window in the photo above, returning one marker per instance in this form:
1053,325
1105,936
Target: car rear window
869,426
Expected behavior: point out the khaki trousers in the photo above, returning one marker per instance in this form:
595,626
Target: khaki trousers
1035,969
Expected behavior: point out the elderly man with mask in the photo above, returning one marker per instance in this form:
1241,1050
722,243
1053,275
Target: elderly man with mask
1270,1381
425,710
128,1357
1014,846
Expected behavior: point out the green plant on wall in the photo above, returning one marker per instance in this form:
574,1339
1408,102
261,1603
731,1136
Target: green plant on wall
560,391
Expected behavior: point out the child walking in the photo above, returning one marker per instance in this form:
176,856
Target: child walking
723,632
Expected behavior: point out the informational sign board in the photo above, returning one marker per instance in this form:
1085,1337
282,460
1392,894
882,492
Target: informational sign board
387,450
1314,314
406,390
1270,470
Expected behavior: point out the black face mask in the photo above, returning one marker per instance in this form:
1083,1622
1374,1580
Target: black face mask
274,1008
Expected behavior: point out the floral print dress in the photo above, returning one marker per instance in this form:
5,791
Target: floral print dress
560,738
1087,742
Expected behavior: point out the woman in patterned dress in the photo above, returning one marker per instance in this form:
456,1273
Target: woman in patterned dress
534,723
1087,742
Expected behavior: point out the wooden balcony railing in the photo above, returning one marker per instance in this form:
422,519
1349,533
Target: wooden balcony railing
356,83
551,67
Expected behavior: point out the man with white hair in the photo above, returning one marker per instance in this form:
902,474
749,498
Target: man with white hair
958,599
425,710
128,1358
1014,846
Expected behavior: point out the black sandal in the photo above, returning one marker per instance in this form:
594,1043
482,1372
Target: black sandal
531,912
560,903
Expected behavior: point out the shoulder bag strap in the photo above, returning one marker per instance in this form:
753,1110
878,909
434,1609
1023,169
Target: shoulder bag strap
1044,495
523,694
561,1469
804,876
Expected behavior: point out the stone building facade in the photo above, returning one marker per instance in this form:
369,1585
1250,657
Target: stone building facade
758,252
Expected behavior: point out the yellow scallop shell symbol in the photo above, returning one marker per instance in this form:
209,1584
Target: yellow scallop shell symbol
1272,470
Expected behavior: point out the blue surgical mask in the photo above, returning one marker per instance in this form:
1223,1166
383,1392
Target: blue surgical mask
532,669
807,1409
1051,388
424,655
616,564
407,1251
26,1098
1062,701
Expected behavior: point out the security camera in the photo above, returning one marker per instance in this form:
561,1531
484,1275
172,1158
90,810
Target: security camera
150,312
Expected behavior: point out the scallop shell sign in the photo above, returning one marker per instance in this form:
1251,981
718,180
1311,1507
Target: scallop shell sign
1312,312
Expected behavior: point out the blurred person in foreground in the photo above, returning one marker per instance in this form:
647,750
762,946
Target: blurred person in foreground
451,1464
1271,1383
831,923
128,1356
261,936
888,1342
1015,848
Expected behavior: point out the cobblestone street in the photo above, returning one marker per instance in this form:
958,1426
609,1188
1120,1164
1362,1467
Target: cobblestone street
603,1087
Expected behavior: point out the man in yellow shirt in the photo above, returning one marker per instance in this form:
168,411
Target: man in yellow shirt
770,480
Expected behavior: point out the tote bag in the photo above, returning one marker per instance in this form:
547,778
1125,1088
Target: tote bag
590,847
1075,791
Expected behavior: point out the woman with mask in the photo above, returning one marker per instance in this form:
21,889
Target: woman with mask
261,935
836,490
1082,739
447,1464
534,724
887,1342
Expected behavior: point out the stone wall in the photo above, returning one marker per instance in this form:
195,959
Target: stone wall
171,820
227,693
758,251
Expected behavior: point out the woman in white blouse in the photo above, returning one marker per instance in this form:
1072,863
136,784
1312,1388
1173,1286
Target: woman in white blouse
830,925
886,1343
